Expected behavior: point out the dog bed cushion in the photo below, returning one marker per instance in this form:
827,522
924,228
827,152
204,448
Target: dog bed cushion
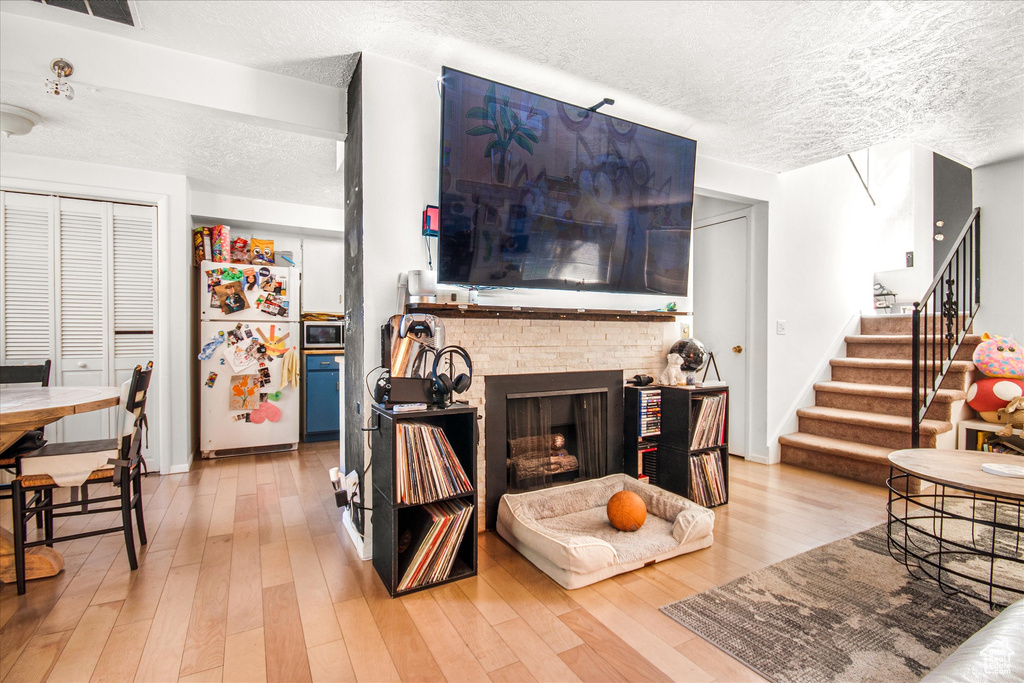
564,530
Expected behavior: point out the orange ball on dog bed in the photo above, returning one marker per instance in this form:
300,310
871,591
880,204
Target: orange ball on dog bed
626,511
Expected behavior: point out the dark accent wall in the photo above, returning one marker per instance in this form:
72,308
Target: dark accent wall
952,203
354,391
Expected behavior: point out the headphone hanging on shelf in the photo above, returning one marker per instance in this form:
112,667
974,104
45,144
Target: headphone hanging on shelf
445,385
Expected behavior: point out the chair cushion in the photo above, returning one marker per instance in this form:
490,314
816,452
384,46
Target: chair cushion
70,464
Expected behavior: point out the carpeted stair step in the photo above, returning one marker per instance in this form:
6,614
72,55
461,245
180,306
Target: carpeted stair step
898,324
901,346
877,398
894,372
890,431
861,462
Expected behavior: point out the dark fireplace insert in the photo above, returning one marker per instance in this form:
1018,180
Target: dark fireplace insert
551,428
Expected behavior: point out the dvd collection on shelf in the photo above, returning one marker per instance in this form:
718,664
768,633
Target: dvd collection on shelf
708,419
990,443
650,413
427,469
707,481
436,552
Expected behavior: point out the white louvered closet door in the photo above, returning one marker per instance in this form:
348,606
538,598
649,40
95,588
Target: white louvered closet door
83,308
134,288
26,279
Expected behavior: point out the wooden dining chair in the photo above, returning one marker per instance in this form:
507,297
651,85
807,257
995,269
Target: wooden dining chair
115,461
22,374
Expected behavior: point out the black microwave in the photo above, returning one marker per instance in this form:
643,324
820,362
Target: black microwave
323,334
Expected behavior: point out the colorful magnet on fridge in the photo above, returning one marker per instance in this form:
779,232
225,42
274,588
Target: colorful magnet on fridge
265,411
274,396
211,378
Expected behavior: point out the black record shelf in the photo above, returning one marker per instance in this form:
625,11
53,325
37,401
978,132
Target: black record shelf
400,528
660,425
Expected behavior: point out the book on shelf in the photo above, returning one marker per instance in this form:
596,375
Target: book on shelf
426,468
442,526
707,421
707,480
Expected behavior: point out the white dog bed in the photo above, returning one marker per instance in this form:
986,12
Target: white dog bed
565,531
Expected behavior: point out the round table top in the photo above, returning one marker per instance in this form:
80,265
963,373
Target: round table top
960,469
42,405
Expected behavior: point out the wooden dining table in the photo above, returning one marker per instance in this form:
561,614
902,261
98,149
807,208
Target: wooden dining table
22,409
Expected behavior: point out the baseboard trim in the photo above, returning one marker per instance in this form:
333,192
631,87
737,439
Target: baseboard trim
179,469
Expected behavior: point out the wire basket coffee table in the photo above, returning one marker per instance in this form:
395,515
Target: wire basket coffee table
963,530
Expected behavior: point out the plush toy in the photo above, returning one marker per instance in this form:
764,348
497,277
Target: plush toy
999,357
991,394
673,372
1012,416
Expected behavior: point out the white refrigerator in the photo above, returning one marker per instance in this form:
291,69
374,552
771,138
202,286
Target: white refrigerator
249,359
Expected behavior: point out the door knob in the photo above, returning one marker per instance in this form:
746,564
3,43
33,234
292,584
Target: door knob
737,349
81,365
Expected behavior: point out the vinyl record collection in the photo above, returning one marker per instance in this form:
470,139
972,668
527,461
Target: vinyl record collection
426,467
707,481
708,419
436,552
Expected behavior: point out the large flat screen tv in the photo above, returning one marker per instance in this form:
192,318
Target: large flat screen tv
539,193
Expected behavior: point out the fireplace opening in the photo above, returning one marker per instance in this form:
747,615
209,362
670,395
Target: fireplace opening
550,429
555,437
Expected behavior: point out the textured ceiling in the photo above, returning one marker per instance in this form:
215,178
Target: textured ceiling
771,85
217,154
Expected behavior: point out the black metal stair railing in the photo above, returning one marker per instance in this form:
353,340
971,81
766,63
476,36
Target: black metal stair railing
942,318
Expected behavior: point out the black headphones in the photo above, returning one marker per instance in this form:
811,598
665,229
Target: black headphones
444,384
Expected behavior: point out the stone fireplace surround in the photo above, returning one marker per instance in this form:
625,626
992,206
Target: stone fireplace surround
512,346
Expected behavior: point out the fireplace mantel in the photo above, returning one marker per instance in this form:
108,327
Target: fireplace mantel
527,313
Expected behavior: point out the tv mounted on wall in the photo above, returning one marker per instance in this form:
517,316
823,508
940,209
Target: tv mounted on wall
539,193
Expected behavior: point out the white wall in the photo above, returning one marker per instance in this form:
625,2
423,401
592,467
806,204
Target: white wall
173,432
999,191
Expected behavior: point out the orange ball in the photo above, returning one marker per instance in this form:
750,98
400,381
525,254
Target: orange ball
626,511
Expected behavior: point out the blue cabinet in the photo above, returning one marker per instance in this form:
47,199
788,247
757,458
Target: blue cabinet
322,391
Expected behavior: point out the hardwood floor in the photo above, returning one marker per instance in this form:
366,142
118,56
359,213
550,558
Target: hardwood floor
248,576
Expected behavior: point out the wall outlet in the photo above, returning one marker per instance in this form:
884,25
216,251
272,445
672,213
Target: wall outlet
910,259
341,298
780,327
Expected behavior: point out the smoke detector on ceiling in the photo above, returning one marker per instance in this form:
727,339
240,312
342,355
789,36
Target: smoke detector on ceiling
62,68
16,121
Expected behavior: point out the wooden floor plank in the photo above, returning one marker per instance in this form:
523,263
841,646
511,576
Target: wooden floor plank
82,651
341,580
193,537
628,662
556,634
367,652
38,658
487,600
161,656
222,521
141,602
319,622
717,663
455,659
208,676
207,626
285,647
245,597
589,666
245,656
513,673
488,647
120,657
539,659
329,663
271,525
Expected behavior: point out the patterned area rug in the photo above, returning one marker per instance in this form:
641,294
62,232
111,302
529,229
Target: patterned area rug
845,611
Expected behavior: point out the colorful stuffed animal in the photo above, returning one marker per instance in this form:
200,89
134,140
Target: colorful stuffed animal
999,357
1012,416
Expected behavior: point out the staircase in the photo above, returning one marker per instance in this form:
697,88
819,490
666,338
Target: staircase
863,414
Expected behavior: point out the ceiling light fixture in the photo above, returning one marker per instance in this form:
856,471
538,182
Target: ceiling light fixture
16,121
63,68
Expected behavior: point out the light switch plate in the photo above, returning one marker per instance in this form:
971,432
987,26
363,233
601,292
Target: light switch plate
780,327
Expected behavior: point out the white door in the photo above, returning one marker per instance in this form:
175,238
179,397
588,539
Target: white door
83,309
720,273
26,279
